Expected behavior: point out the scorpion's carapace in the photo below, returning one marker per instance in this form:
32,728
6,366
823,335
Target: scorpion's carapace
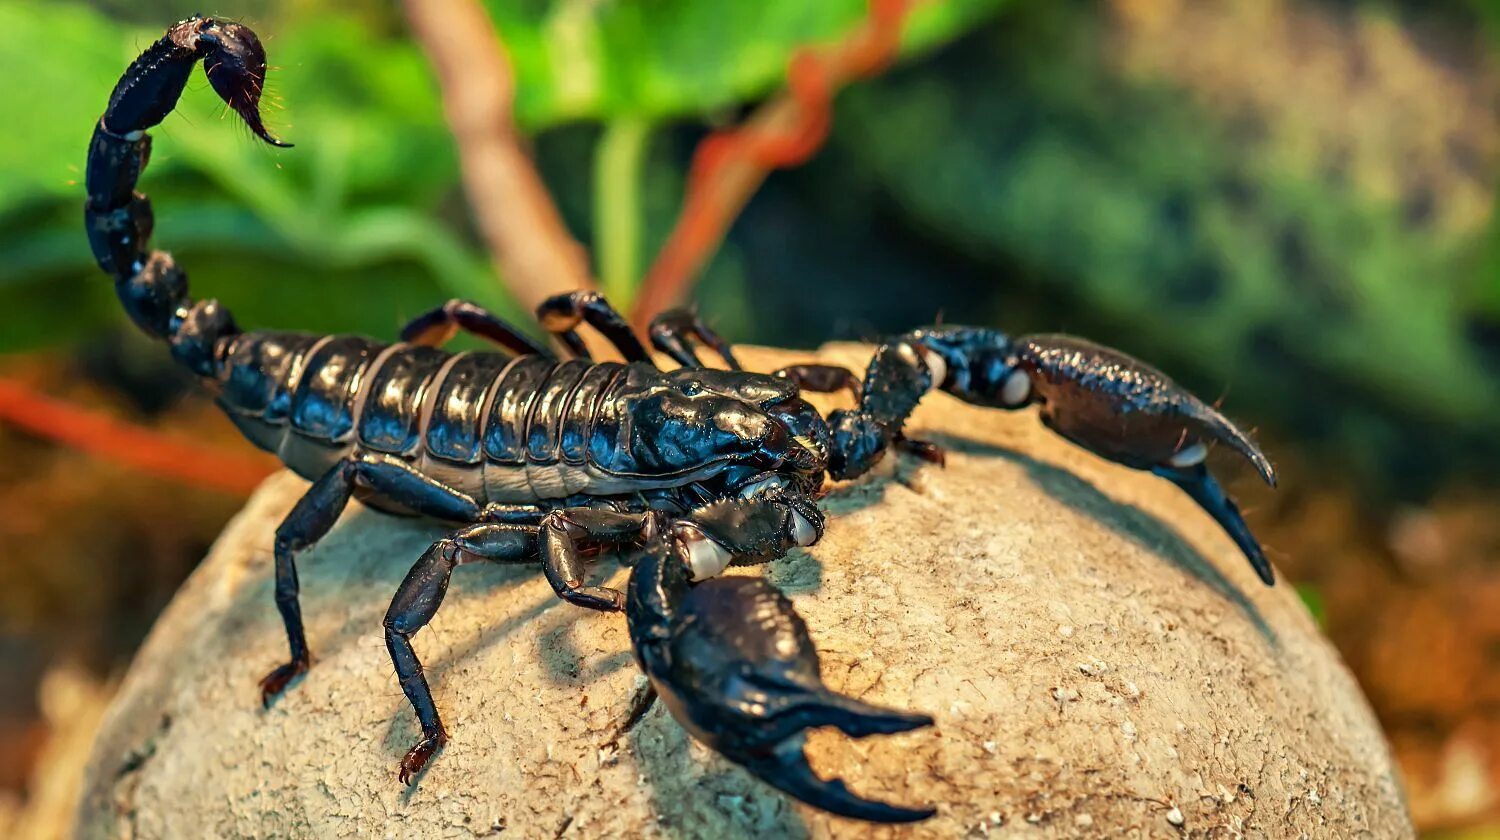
549,461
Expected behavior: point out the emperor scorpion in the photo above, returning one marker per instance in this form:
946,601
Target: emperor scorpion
540,459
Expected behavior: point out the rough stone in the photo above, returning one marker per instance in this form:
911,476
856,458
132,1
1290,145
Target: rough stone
1099,658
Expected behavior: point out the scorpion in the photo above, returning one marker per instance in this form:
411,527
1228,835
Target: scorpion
536,458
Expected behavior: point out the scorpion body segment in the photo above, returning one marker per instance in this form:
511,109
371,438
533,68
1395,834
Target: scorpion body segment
550,461
498,428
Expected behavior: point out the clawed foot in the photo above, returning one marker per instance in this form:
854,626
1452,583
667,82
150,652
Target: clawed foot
276,681
601,598
929,452
417,757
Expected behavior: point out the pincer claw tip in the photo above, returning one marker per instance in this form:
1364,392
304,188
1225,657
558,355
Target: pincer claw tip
1200,484
734,664
787,770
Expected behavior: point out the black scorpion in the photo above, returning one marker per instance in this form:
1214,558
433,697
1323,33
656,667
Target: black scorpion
541,460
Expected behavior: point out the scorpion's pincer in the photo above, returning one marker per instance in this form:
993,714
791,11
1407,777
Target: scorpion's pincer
733,663
1129,412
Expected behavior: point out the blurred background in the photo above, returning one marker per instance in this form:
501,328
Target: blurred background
1288,205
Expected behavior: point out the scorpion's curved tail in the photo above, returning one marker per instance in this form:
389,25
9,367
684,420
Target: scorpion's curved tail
151,287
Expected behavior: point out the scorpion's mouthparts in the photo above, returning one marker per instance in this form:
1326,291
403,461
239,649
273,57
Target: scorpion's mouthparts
804,455
810,444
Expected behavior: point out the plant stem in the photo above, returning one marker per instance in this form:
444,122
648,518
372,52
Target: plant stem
120,442
729,165
534,254
618,161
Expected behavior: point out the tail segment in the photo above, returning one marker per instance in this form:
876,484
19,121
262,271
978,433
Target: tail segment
151,287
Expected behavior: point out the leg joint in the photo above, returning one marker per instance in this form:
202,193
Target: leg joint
285,543
558,520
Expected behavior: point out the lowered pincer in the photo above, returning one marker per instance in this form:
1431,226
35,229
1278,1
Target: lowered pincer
733,662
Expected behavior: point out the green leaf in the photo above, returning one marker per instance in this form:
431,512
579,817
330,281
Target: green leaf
1312,598
661,59
373,166
59,62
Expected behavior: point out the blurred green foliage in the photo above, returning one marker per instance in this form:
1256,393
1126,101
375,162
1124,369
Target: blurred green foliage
363,222
1312,598
1310,261
346,215
1145,204
679,59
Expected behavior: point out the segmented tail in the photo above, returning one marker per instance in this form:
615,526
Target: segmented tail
119,221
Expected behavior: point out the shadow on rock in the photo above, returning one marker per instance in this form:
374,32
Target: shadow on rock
663,753
1127,520
564,659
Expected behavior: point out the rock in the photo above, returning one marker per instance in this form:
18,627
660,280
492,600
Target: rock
72,702
1098,656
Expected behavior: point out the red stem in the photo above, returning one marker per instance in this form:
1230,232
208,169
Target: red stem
786,131
122,443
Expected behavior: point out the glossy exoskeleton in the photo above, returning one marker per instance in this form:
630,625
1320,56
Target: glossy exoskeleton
544,460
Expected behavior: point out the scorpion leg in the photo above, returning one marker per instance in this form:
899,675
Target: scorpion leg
558,540
734,664
437,326
417,601
1108,402
314,514
822,379
673,331
565,534
308,521
561,315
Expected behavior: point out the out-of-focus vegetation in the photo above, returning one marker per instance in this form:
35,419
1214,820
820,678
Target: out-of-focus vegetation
1135,168
1290,203
347,217
363,220
1292,199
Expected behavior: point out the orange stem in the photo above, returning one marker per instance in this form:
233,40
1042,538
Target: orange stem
729,166
535,255
122,443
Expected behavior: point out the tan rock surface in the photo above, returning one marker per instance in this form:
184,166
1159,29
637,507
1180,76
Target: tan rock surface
1099,658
